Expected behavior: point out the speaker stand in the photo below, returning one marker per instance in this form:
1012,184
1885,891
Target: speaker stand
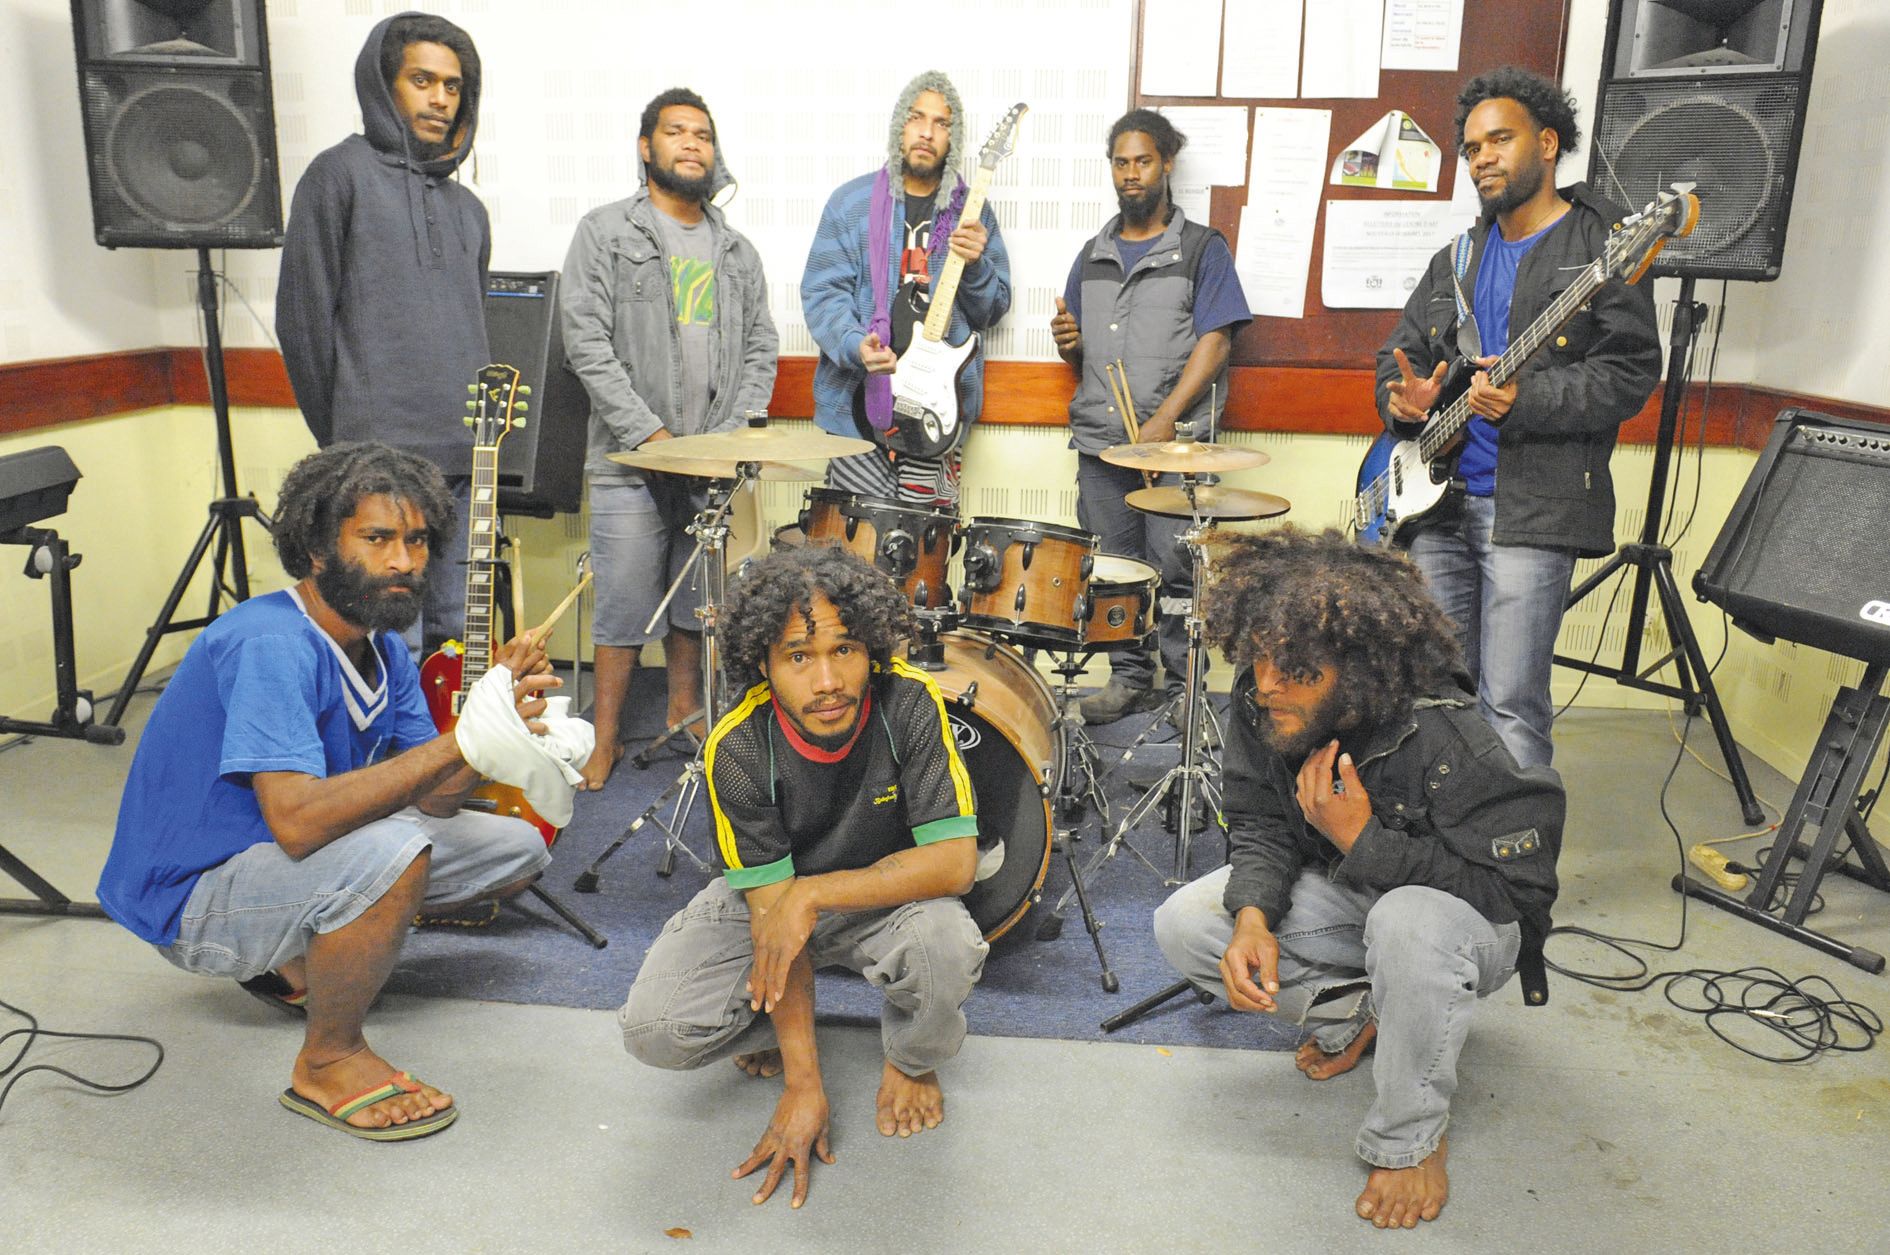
46,900
1827,796
225,525
1653,565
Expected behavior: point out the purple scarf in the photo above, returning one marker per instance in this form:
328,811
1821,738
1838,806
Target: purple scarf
879,401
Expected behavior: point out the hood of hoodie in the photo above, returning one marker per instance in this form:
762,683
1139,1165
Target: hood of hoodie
929,81
386,130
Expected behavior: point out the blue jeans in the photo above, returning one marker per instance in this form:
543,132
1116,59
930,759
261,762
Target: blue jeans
1414,959
1507,603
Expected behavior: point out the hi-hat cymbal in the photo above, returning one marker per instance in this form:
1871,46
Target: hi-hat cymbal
1210,501
654,458
1189,457
765,444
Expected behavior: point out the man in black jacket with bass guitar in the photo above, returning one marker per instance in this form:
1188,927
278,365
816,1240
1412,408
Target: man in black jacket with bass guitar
1531,491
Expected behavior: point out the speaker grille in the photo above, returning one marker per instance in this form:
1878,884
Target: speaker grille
182,159
1736,140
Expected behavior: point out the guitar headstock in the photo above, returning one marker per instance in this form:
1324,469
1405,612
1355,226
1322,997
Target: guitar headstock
1639,239
497,404
1003,141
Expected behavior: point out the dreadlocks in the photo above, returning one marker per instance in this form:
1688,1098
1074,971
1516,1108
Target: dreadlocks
322,491
1310,602
783,584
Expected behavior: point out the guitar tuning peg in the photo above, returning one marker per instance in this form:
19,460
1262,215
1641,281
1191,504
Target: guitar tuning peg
518,422
473,388
470,421
524,389
472,405
520,407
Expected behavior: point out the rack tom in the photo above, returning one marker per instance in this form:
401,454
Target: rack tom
1025,581
1120,610
910,544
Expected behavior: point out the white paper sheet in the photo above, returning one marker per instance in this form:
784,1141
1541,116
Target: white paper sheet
1275,255
1342,45
1376,250
1176,60
1289,154
1463,193
1260,49
1216,152
1393,152
1422,34
1191,198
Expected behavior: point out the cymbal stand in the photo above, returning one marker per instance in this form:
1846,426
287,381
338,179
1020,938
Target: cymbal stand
1078,782
710,529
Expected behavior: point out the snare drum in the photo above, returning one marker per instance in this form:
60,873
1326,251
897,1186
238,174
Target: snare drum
1120,610
1003,718
909,544
1024,581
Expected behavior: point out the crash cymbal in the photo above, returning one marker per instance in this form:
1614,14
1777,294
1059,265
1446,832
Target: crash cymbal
765,444
1188,457
656,458
1210,501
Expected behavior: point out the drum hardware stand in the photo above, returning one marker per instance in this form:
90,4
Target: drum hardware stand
1124,1018
711,532
1077,783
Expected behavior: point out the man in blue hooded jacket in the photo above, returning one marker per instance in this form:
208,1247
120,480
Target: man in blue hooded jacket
379,307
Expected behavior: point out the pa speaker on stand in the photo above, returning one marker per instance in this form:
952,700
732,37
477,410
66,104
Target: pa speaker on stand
1710,92
180,146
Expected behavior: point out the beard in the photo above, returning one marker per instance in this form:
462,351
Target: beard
1517,189
1320,726
365,601
1138,209
921,171
828,742
696,189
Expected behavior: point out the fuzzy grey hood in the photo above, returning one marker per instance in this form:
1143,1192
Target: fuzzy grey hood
929,81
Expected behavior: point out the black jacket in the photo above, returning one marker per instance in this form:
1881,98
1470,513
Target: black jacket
1553,485
1450,810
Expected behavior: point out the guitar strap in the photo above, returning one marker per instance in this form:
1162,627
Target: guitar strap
1469,340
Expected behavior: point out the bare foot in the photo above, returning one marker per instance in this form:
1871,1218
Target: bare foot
1397,1198
762,1063
601,763
907,1104
332,1084
1320,1066
696,727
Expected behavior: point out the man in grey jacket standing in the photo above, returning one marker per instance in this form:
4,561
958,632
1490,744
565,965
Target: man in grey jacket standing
665,316
379,306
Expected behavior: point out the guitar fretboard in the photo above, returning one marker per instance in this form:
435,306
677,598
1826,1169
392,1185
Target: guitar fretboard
481,560
938,317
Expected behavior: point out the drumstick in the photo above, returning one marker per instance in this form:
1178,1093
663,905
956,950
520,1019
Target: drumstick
1126,405
543,630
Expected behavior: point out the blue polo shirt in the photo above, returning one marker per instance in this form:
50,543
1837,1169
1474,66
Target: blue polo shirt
262,689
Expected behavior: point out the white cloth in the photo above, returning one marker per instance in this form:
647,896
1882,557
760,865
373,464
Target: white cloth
496,743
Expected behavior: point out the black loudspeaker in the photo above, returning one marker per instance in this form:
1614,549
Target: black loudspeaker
180,129
1711,92
541,468
1801,556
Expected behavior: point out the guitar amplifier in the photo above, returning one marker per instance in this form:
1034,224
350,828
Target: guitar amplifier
541,466
1800,556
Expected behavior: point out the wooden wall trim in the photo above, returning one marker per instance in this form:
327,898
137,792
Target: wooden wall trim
1287,399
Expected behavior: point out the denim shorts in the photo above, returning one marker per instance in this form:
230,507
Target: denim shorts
259,910
639,545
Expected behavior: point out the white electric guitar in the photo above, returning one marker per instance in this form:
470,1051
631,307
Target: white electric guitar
925,418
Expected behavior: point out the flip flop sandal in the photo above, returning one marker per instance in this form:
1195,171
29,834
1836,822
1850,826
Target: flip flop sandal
336,1117
270,987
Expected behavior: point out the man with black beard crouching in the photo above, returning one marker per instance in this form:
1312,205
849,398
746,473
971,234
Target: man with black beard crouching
1389,862
290,808
1154,296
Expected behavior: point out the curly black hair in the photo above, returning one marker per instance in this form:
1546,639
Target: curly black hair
1551,108
782,584
1308,602
1168,140
653,112
321,492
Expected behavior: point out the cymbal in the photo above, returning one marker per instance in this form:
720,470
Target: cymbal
765,444
654,458
1210,501
1190,457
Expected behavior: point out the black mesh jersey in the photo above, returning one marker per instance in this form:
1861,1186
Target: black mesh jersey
782,811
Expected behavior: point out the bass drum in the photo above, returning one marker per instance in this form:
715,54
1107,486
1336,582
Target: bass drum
1003,716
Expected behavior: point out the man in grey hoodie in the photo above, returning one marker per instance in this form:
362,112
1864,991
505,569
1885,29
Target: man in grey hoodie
379,307
665,318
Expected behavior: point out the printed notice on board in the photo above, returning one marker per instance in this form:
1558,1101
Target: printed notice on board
1393,152
1376,250
1422,34
1176,61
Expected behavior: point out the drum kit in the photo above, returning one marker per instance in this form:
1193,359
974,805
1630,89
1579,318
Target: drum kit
1025,586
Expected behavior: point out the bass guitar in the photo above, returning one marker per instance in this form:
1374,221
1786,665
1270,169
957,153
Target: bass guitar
1401,482
925,420
447,676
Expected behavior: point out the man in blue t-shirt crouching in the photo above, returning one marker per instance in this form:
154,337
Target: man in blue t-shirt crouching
290,807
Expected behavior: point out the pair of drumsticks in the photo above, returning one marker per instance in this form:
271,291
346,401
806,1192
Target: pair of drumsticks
1118,377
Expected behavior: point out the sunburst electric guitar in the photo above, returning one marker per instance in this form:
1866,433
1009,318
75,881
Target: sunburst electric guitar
925,420
446,677
1401,482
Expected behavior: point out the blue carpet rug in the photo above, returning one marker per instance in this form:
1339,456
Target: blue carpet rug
1030,988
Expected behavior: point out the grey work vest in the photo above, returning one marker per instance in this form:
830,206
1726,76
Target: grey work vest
1147,323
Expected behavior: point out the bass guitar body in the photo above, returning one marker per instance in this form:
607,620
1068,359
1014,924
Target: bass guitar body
1414,486
439,680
